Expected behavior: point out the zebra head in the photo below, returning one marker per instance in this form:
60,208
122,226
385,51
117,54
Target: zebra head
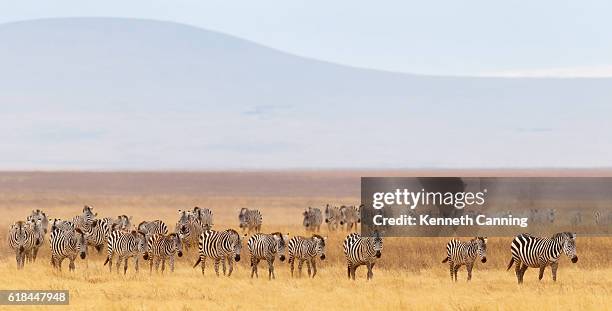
377,243
319,245
328,213
184,216
81,242
481,244
141,239
178,244
88,212
124,222
40,215
569,244
306,215
236,241
242,218
280,244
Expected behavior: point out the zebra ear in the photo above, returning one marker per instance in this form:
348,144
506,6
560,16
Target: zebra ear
573,236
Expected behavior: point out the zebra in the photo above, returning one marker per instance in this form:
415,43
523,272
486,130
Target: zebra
62,225
125,245
551,214
576,218
597,217
98,233
349,215
332,217
536,252
36,224
250,219
153,227
160,247
312,219
84,220
534,215
39,214
460,253
21,238
360,250
67,244
205,216
122,222
220,246
266,246
306,250
190,228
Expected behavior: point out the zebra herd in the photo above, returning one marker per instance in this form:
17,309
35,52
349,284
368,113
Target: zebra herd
151,240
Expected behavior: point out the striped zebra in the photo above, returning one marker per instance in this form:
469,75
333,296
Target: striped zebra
21,238
349,215
250,219
36,225
360,250
536,252
62,225
265,247
597,217
122,222
40,215
153,227
460,253
84,220
125,245
332,217
219,246
306,250
189,228
312,219
161,247
205,216
67,244
98,233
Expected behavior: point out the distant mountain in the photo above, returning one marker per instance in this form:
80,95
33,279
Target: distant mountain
110,93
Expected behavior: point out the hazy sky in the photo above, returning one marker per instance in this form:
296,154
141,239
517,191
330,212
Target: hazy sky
478,37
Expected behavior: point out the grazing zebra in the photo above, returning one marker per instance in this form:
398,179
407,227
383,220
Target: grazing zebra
190,228
205,216
36,225
266,246
125,245
349,215
160,247
459,253
84,220
250,219
306,250
220,246
332,217
21,238
312,219
153,227
67,244
537,252
360,250
597,217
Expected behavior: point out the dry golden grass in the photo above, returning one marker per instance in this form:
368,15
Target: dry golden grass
409,276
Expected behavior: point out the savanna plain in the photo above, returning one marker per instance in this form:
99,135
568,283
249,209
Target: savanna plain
409,275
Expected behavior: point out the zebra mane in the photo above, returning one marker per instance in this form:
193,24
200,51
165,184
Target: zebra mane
564,235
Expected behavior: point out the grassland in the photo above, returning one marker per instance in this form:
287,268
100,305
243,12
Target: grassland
409,276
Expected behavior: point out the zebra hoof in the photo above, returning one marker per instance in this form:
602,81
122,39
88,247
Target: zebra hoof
575,259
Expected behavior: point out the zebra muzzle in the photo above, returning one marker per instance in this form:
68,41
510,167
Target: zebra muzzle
484,259
575,259
237,258
323,257
83,255
282,257
378,254
145,256
180,254
326,220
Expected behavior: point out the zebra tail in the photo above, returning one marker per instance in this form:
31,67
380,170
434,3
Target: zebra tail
510,264
445,260
107,259
197,262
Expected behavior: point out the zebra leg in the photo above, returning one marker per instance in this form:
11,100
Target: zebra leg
542,268
308,266
203,265
151,265
452,269
171,263
136,263
119,261
157,262
370,273
217,267
71,265
254,263
456,271
554,267
125,265
522,272
300,264
292,264
59,264
223,265
517,270
163,260
230,261
271,274
469,270
314,267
